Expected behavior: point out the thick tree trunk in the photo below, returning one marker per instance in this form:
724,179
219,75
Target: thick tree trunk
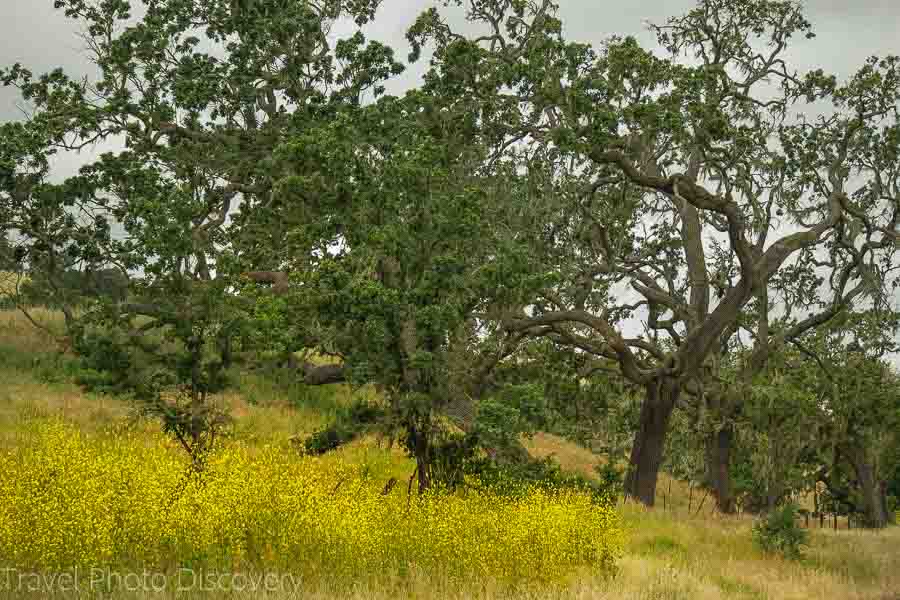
323,374
422,451
874,506
225,351
891,515
774,494
650,441
718,463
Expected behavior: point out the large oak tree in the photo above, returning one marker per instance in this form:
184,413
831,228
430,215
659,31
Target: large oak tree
689,181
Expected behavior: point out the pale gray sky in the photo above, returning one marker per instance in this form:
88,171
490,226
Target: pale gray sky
41,38
33,33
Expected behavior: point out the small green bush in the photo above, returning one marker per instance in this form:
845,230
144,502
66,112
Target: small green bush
510,478
779,533
351,423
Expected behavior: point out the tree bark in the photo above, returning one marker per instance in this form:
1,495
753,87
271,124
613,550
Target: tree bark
419,425
279,280
891,515
874,507
420,437
650,441
323,374
225,349
774,493
718,463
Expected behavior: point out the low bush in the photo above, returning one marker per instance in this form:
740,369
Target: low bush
778,532
351,423
509,479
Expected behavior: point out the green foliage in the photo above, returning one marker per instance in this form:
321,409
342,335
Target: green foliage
747,485
779,532
76,288
406,258
511,478
53,367
200,127
352,422
106,364
514,411
454,456
892,476
684,458
598,411
7,255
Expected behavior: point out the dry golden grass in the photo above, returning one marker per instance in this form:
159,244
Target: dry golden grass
671,554
571,457
17,333
9,281
713,557
701,562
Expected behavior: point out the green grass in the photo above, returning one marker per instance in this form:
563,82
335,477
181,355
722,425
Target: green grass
737,589
661,546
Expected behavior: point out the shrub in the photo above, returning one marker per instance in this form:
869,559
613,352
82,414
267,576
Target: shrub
510,478
779,532
350,423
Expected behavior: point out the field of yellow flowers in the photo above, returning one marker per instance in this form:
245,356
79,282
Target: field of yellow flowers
75,500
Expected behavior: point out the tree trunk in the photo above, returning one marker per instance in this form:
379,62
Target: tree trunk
422,452
718,463
650,441
891,515
196,396
874,508
225,351
775,493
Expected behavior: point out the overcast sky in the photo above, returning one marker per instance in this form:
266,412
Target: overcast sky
33,33
41,38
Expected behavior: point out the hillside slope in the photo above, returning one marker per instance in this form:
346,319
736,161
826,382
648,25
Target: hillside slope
669,554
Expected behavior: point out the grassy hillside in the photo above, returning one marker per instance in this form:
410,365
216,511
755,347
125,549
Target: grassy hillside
668,554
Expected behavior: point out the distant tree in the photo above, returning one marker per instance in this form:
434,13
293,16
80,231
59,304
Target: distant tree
783,421
81,286
824,410
50,229
8,273
7,257
572,398
862,403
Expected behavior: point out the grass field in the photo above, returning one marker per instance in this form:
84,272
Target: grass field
667,554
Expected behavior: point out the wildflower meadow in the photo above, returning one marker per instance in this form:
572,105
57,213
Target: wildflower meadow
75,500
